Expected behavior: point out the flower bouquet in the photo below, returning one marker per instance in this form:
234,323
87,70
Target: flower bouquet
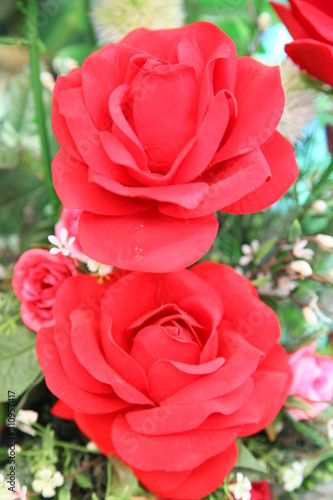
166,250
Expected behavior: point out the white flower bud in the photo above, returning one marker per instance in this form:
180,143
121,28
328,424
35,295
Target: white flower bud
310,316
325,241
264,21
301,267
293,477
47,80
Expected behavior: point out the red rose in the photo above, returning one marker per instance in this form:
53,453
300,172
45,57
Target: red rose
37,277
166,370
310,23
160,131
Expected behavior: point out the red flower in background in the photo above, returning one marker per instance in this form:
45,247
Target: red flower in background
37,277
310,23
261,491
166,370
160,131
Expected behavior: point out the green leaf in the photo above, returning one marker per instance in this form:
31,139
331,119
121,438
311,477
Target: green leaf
246,460
295,231
84,481
297,403
18,362
3,454
313,462
64,493
308,432
17,190
265,248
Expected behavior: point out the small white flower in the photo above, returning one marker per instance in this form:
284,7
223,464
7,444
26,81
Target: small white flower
63,65
61,245
249,252
24,419
313,306
91,446
45,482
97,267
325,241
241,490
27,417
300,251
292,476
301,267
18,449
47,80
57,480
319,206
285,286
310,316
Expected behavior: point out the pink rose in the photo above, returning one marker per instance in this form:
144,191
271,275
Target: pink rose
312,381
37,277
69,219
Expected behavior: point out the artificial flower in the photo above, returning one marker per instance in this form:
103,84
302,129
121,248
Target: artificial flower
164,371
310,23
160,131
37,277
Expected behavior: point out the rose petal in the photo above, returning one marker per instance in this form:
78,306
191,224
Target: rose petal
194,484
280,157
287,17
226,183
59,125
241,364
153,343
60,410
171,95
314,57
258,89
181,451
167,378
165,420
98,429
317,23
62,387
155,290
111,61
86,136
149,241
244,312
70,179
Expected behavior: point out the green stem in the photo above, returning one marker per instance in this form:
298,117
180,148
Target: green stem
76,447
317,187
32,35
9,40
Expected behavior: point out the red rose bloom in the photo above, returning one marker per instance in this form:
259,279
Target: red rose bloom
37,277
160,131
310,23
165,371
